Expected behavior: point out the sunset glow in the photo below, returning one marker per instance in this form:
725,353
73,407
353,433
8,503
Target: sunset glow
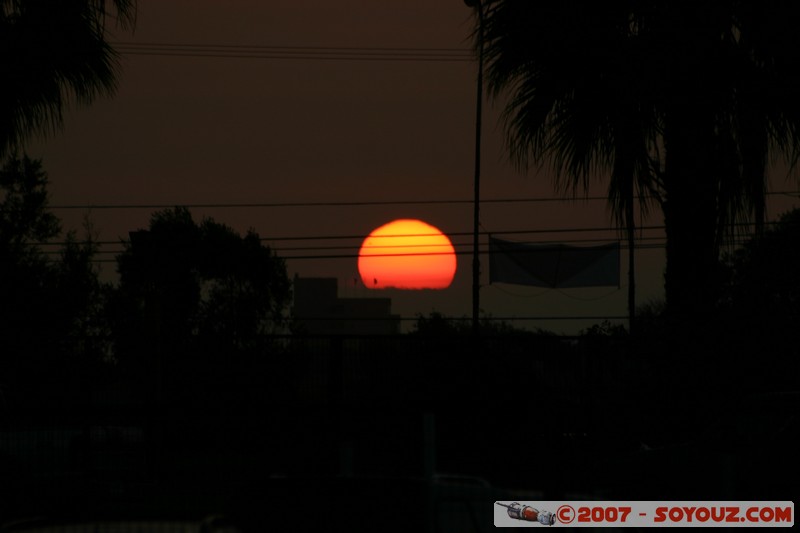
407,254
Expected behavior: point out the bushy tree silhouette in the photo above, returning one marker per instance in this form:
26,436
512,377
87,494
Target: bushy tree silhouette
764,279
50,305
196,290
761,308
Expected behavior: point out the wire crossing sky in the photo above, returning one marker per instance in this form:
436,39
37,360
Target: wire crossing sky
326,53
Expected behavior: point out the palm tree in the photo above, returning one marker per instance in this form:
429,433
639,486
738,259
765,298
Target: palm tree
679,106
52,51
577,99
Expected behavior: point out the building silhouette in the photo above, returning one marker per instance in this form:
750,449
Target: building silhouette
318,310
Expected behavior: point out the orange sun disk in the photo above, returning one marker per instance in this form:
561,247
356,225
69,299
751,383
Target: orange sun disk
407,254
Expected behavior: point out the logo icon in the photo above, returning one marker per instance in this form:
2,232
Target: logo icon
529,514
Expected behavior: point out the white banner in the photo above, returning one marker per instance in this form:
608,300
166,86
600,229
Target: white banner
644,514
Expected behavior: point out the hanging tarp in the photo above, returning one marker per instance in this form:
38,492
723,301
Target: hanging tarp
553,265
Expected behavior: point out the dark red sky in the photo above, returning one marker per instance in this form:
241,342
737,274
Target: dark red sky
202,130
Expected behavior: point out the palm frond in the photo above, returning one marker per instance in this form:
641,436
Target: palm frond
55,52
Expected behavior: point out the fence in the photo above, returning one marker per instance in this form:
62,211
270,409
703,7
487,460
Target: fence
199,434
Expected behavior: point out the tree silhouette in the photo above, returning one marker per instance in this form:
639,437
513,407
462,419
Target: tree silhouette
50,306
246,286
24,219
682,106
759,311
764,271
52,51
196,288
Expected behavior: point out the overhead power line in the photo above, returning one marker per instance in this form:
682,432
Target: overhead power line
361,237
315,204
485,251
656,242
352,203
319,53
494,232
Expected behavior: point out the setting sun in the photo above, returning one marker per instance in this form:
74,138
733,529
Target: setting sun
407,254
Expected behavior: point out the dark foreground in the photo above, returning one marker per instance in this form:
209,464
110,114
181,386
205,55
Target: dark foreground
391,434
